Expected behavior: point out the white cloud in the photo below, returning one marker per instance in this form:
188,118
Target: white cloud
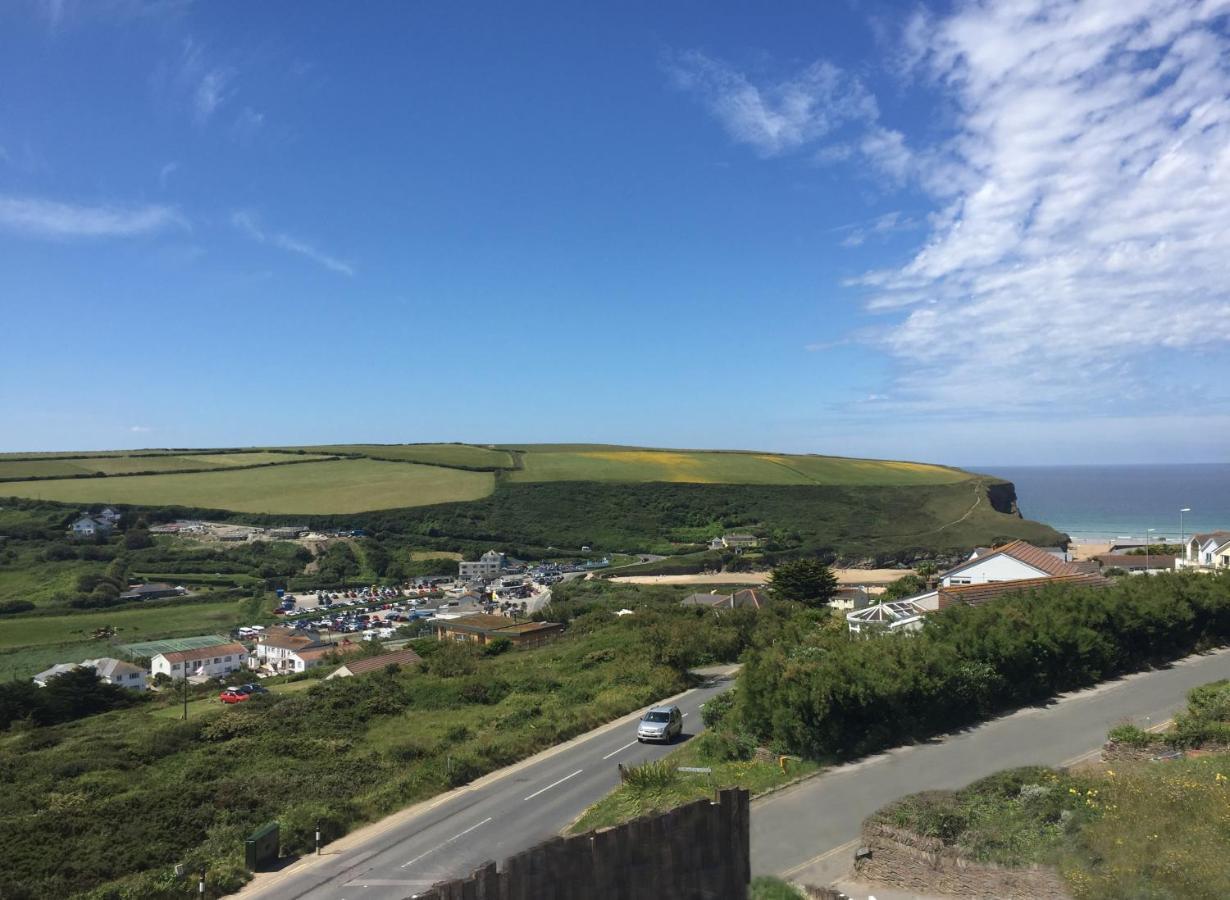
165,173
775,116
249,223
247,123
1086,219
212,90
887,223
140,429
36,217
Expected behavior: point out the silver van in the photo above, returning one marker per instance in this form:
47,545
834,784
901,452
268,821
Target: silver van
662,723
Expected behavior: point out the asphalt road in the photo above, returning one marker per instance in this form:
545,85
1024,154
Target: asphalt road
809,832
494,819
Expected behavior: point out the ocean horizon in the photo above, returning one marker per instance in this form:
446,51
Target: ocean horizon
1101,502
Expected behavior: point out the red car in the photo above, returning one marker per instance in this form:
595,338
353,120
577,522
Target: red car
233,695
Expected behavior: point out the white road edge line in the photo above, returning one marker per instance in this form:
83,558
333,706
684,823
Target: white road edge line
620,750
553,784
449,841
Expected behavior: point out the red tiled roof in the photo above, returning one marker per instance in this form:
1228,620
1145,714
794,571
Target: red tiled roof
1027,553
977,594
204,652
373,663
1136,560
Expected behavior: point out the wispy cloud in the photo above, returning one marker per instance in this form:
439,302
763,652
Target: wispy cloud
1086,203
888,223
35,217
140,429
197,82
774,116
249,224
165,173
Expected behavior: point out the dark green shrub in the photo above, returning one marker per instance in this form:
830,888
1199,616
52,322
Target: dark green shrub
1132,735
717,708
727,746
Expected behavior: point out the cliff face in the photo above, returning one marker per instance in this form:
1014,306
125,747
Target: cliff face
1002,496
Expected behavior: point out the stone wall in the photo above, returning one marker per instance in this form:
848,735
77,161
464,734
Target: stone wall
700,851
912,862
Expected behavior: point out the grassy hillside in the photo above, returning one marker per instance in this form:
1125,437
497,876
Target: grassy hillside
566,496
125,465
344,486
462,455
600,463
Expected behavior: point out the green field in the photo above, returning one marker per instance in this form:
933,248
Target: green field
343,486
578,463
125,465
130,625
431,454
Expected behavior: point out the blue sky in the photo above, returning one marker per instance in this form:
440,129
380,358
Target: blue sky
960,233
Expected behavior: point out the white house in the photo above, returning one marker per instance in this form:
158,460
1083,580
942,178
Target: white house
281,650
113,671
489,565
1011,562
201,663
1210,550
88,527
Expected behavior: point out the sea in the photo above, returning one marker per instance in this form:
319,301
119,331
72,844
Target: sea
1099,503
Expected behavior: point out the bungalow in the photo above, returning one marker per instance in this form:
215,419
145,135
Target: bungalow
202,662
483,629
1210,550
152,591
1010,562
978,594
402,658
112,671
1137,563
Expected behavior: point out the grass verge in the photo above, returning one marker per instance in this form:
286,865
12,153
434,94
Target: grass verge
634,799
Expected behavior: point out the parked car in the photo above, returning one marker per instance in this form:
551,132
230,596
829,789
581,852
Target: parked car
662,723
233,695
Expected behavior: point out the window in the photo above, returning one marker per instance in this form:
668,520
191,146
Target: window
217,659
228,659
176,666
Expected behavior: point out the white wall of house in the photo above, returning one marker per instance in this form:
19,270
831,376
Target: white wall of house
993,568
209,667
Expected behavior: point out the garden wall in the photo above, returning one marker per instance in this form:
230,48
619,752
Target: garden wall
696,851
913,862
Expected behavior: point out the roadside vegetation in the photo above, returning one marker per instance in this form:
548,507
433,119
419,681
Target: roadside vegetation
334,753
1125,829
817,693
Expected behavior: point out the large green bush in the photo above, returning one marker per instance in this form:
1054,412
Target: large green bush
829,696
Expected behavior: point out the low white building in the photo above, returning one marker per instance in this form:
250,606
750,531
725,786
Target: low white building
201,663
113,671
88,527
893,617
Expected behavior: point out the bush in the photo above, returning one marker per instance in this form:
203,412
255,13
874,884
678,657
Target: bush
1132,735
650,776
452,660
498,646
727,746
717,708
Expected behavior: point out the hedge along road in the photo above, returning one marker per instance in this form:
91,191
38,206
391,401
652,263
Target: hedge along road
497,816
809,832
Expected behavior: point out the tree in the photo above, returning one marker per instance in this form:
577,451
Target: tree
807,581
